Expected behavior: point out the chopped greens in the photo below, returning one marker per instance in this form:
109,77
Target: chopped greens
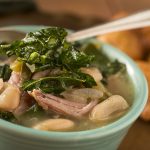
58,84
47,47
114,67
106,66
6,115
5,72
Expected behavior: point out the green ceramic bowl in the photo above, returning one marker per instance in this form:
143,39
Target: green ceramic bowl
13,137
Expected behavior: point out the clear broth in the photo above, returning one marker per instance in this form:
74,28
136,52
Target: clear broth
117,84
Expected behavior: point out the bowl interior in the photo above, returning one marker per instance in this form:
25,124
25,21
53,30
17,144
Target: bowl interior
140,98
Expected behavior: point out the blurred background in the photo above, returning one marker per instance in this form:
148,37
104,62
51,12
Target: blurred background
79,14
74,14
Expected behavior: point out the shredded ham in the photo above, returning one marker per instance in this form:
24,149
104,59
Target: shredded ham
15,79
26,101
62,106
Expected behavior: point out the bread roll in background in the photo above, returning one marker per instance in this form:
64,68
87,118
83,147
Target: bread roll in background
126,41
145,38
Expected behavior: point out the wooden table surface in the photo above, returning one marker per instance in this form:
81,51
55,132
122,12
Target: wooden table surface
138,137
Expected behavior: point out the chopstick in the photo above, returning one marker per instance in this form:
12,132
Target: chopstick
134,21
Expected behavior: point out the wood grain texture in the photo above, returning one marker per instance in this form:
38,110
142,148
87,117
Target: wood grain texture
138,137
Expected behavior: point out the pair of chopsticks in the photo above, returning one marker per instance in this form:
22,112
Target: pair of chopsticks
134,21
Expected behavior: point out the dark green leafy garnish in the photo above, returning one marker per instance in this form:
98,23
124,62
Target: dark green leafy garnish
114,67
103,62
6,115
5,72
57,84
47,47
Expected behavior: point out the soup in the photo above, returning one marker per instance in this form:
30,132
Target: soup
47,83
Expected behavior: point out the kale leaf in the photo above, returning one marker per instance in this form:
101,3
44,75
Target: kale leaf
57,84
6,115
47,47
5,72
74,59
114,67
103,62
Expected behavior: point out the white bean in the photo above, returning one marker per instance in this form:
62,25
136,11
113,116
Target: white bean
108,108
94,72
9,98
40,74
55,125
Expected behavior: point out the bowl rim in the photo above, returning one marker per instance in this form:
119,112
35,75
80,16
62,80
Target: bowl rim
141,96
